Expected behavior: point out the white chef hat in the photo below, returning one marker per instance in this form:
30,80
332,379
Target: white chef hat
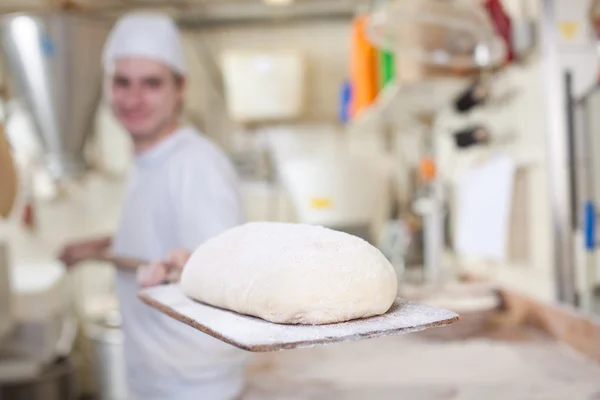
150,35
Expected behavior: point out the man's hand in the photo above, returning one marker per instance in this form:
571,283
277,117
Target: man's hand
77,252
168,270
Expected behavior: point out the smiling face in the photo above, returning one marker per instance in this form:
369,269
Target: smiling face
145,96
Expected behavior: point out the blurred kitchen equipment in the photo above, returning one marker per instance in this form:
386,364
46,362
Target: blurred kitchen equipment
394,243
448,34
429,204
475,95
345,102
8,177
36,360
44,325
264,85
387,68
363,67
107,338
56,381
503,25
55,60
523,15
595,21
471,136
343,192
435,42
588,297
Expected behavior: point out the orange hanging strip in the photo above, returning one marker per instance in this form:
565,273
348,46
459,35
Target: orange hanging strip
363,68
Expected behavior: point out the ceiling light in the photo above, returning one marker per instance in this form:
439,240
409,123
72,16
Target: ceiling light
278,2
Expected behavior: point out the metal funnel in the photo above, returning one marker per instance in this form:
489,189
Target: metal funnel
54,59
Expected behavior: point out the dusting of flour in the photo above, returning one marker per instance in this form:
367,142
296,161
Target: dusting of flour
255,334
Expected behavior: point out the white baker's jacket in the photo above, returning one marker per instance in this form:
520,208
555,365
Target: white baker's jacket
181,192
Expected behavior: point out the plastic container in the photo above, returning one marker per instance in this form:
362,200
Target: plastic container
263,85
339,191
39,308
107,338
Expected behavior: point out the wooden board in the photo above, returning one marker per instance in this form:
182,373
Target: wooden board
562,322
8,177
257,335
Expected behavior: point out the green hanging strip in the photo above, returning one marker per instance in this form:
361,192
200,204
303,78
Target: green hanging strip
386,68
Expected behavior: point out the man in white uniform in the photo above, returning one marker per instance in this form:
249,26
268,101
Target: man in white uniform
182,191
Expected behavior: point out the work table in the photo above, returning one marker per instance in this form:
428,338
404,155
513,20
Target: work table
414,367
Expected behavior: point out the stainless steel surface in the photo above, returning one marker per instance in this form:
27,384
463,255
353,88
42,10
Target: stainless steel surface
107,338
55,60
433,229
556,125
433,218
572,151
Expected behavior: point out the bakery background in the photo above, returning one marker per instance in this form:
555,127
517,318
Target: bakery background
391,120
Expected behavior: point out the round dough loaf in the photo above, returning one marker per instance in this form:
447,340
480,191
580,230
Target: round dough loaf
291,274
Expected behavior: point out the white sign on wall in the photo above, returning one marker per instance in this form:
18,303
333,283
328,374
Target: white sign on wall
577,43
573,25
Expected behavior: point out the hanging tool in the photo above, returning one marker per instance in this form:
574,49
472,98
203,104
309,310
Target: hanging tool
475,95
387,68
363,65
430,207
589,231
472,136
345,102
502,24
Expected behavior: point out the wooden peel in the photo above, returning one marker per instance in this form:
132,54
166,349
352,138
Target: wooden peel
8,177
125,262
257,335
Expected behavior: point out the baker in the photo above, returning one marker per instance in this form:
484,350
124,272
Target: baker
182,190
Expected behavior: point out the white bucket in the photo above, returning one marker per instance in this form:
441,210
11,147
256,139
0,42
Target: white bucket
344,190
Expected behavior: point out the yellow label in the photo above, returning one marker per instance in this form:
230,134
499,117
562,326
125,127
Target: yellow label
569,29
321,202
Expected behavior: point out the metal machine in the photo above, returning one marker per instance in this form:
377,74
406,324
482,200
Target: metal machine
432,36
54,62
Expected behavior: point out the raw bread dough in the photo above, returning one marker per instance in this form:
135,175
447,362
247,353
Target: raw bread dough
291,274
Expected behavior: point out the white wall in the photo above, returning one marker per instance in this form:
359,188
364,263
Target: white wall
324,44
